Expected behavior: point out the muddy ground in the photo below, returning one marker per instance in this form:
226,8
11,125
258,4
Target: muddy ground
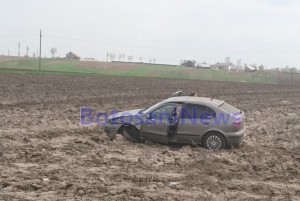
46,155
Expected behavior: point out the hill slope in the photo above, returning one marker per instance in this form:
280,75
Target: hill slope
23,65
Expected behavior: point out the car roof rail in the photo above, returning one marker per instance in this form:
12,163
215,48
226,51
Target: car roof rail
178,93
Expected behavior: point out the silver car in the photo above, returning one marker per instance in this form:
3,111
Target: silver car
181,119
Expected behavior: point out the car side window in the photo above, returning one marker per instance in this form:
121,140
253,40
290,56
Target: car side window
207,113
193,111
164,112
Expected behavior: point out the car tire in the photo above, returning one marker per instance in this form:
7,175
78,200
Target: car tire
132,134
214,141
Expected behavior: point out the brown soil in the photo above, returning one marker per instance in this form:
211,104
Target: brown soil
46,155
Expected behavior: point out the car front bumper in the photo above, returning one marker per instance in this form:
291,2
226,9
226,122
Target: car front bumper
111,131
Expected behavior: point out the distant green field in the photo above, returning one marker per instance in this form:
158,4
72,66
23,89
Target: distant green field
29,66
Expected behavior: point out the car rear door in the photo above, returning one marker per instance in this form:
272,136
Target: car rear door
195,120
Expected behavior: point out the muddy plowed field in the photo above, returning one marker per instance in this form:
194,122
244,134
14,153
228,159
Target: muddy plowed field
46,155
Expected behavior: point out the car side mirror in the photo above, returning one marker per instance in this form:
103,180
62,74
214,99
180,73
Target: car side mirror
148,116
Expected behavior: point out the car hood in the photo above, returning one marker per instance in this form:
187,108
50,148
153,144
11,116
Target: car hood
125,114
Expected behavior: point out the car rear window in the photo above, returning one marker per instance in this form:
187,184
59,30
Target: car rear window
229,108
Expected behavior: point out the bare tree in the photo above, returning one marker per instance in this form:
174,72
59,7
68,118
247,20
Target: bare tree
130,57
276,69
120,57
154,60
27,50
112,56
286,69
293,70
261,67
53,51
239,64
123,55
150,60
227,60
141,59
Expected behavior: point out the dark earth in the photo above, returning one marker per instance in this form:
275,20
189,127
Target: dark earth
46,155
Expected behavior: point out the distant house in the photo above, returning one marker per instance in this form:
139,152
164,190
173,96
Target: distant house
249,68
188,63
222,66
204,66
72,56
89,59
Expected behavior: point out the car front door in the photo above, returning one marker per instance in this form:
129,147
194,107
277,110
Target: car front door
156,124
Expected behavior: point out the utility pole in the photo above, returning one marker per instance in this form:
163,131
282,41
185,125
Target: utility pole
19,47
40,59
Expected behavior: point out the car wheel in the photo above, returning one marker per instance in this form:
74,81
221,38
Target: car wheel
132,134
214,141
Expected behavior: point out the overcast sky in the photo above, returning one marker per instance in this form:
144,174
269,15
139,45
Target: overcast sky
255,31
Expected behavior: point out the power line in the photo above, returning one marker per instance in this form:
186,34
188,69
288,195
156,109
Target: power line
14,35
168,48
153,47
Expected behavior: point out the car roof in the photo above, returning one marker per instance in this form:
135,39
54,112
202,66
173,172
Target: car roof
196,100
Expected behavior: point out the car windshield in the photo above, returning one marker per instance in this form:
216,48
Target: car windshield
148,109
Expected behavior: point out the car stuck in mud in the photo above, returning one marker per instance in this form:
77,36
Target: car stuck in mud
209,122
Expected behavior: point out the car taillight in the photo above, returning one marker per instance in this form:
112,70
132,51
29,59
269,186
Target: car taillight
236,123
